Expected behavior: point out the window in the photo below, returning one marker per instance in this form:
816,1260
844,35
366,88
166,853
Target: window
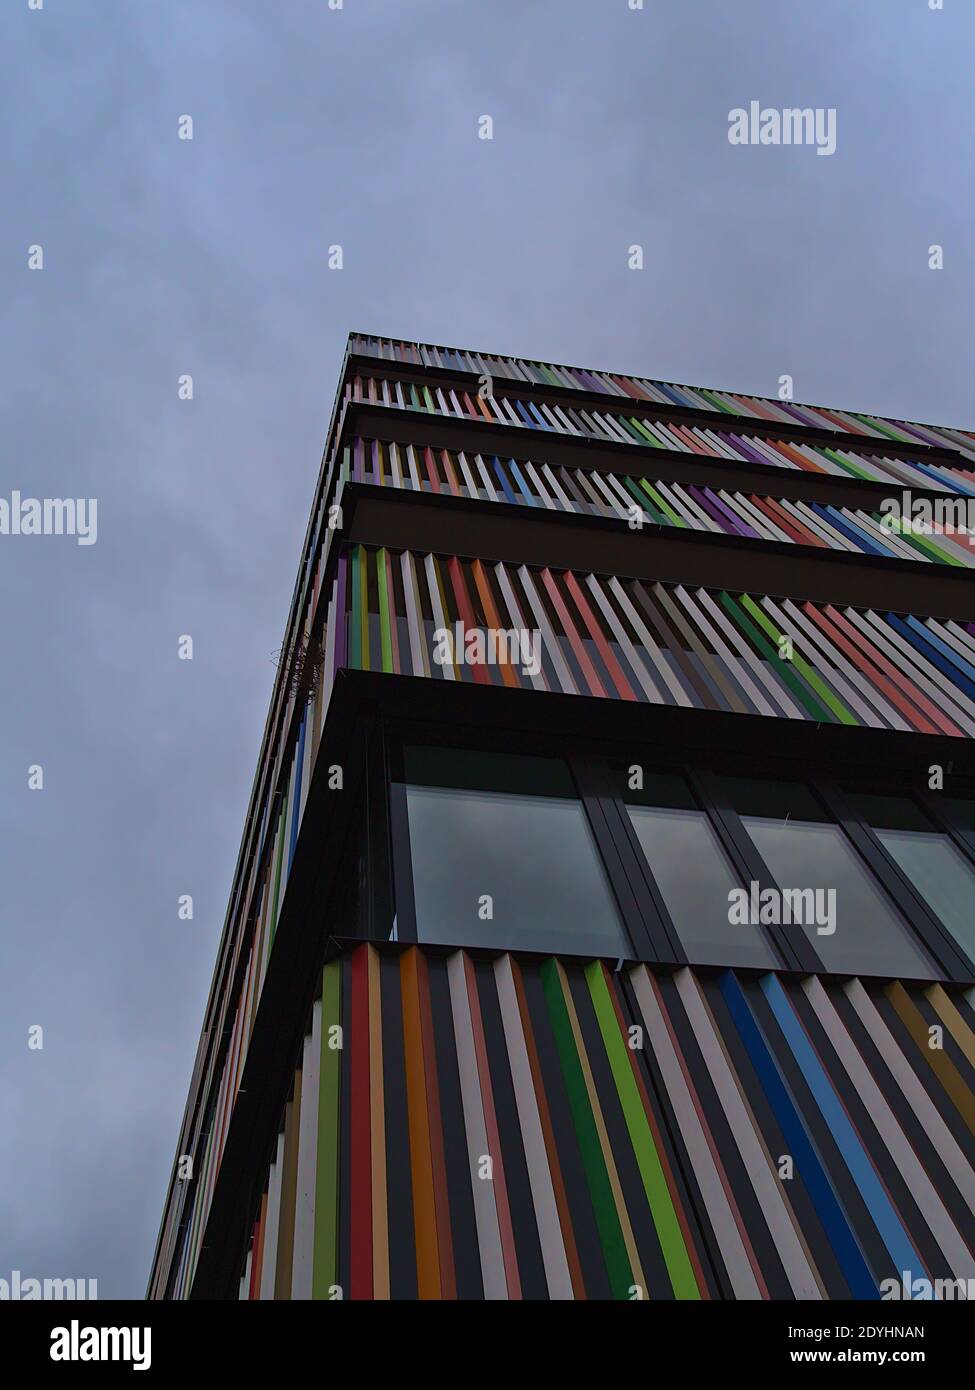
938,870
852,925
693,874
502,855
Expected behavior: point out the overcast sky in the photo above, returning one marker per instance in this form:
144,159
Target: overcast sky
209,257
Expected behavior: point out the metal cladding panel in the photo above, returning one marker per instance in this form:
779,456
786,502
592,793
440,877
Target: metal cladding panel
638,500
515,1127
642,389
412,614
748,443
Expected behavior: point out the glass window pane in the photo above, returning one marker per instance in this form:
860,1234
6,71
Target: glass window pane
695,880
533,856
938,870
864,934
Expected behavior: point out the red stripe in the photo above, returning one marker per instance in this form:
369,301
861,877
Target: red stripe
596,633
790,524
582,656
465,608
913,690
431,469
855,650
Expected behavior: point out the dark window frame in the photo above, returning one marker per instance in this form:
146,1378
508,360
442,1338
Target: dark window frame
644,917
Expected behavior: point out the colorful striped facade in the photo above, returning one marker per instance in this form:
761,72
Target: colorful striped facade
393,1100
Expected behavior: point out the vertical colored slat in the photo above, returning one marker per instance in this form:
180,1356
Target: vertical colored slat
360,1197
377,1132
665,1220
421,1158
324,1276
607,1217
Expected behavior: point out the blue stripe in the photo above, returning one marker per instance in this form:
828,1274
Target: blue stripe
519,479
955,667
847,529
505,485
845,1137
809,1165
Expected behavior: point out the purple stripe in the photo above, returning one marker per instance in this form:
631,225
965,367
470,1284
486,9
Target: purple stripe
738,522
706,505
796,413
593,384
752,455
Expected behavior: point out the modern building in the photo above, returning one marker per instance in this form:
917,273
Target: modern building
604,919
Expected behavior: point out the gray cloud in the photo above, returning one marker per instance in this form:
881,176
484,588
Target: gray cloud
165,257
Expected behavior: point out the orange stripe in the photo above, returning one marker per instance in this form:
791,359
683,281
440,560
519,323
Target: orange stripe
380,1233
451,473
493,617
421,1161
437,1158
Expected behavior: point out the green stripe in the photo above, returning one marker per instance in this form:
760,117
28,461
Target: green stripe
597,1178
644,504
643,434
715,400
782,668
324,1266
872,422
651,438
665,1220
631,427
803,667
852,468
384,628
923,544
674,517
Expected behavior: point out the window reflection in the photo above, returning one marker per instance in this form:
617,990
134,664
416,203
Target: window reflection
502,855
805,849
937,868
693,874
